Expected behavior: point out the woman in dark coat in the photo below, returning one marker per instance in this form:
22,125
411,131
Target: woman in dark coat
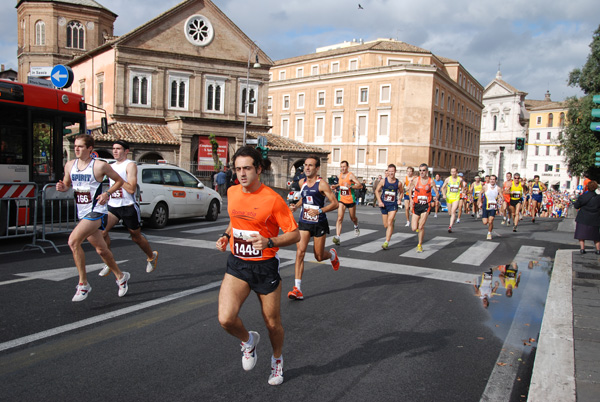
588,218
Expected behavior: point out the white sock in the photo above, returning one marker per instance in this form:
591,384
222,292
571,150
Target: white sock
297,283
250,341
355,226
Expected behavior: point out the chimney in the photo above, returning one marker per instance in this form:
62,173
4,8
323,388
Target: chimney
2,69
547,96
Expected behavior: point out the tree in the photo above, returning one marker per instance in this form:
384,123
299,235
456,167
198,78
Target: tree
215,146
579,142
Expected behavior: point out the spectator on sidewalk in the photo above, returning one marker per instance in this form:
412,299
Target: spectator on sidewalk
221,179
587,225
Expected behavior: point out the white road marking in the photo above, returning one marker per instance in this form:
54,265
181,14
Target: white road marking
477,253
56,275
103,317
375,246
207,230
344,237
429,248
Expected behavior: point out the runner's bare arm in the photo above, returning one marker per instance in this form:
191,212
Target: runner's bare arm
224,240
260,243
131,183
326,190
65,183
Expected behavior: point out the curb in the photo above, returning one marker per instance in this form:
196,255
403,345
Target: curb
553,376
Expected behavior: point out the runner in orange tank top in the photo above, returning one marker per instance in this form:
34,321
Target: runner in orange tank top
347,184
257,213
410,175
421,187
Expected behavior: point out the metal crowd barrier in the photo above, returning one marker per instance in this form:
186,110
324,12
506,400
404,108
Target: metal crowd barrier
18,211
59,212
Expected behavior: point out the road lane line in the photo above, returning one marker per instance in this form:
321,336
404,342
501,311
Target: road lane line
429,248
103,317
375,246
207,230
344,237
477,253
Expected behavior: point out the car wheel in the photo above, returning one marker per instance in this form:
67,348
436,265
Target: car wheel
213,211
160,216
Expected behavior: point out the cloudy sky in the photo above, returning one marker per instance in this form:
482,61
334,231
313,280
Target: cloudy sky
536,42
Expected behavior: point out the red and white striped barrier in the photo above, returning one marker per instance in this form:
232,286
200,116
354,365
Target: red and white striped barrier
17,191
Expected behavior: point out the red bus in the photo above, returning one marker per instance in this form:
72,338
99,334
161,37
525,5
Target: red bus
33,123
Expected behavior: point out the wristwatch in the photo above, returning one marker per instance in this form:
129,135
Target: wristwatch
320,211
270,243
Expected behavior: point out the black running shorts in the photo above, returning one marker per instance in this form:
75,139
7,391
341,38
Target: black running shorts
318,229
130,215
262,276
95,216
421,208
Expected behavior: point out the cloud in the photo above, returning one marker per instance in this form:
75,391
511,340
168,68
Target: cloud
537,42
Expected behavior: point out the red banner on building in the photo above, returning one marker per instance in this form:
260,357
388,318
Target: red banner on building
205,156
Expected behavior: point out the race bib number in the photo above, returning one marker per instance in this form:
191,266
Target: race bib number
477,193
422,199
516,195
82,195
344,191
242,244
306,216
454,189
492,205
389,196
536,191
117,194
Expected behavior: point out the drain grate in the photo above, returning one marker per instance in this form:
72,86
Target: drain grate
587,275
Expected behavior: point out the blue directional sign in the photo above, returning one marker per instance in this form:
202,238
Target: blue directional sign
61,76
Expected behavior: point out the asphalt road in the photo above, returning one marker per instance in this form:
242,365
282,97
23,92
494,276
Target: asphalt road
389,325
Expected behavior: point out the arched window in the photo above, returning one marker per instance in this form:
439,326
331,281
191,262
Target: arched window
550,120
561,121
75,35
40,33
495,122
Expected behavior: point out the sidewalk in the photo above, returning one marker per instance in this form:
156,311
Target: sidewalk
566,363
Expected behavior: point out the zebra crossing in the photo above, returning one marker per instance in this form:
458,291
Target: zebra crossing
368,243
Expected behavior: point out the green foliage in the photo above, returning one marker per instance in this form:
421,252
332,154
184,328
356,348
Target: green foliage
579,143
215,146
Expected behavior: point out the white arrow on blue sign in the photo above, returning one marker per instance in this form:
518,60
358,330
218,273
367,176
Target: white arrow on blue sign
61,76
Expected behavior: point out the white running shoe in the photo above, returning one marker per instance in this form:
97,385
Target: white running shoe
82,292
407,223
123,288
276,377
489,236
153,263
356,231
105,271
458,220
249,355
435,215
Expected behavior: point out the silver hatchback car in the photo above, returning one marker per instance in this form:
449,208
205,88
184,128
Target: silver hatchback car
169,192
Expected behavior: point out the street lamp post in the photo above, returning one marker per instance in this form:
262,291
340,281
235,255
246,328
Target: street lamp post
501,164
247,100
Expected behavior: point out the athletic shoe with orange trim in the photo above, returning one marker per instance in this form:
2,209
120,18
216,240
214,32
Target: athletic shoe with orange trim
335,263
295,294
